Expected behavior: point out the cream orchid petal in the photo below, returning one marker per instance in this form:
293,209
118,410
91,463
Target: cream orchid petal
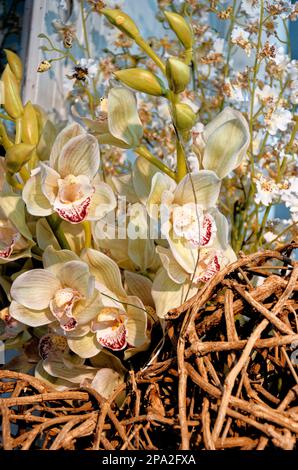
105,271
79,156
160,184
167,294
136,323
139,286
185,255
30,317
52,257
34,289
45,236
102,202
107,359
106,381
85,346
222,226
76,275
61,140
12,207
49,182
75,374
227,139
142,174
86,312
37,203
141,248
57,383
123,119
201,188
174,270
124,187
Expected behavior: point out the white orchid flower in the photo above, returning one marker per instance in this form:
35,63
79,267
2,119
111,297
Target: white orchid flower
64,370
225,142
118,122
121,321
62,295
67,183
184,212
177,281
15,237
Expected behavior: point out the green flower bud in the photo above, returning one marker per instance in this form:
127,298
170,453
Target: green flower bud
15,64
181,28
141,80
178,74
12,100
122,21
185,117
30,134
17,156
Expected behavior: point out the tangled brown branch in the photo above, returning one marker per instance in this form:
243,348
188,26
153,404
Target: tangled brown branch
225,378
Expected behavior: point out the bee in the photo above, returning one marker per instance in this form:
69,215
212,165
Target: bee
68,40
44,66
80,73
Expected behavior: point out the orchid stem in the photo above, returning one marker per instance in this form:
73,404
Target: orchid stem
18,137
55,224
88,236
142,151
181,163
150,52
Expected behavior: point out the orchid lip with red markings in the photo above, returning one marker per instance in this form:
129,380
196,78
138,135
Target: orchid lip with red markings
213,267
75,213
62,306
110,328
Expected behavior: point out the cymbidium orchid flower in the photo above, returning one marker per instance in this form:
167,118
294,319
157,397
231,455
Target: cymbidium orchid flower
68,183
15,237
64,370
184,211
83,299
121,322
118,122
62,295
224,142
177,281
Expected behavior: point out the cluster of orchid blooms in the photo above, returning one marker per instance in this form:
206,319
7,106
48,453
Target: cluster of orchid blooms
92,299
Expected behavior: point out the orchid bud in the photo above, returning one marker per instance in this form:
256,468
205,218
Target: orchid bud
122,21
185,117
178,74
4,139
12,100
30,134
181,28
15,64
141,80
17,156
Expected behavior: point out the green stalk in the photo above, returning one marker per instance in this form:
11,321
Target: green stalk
55,223
142,151
150,52
181,163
